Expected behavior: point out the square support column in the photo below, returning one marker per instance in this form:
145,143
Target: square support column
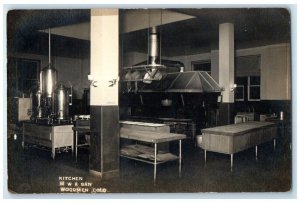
104,146
226,72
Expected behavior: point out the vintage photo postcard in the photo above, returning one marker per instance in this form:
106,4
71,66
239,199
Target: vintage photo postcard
149,100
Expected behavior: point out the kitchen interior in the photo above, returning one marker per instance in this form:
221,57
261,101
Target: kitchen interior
150,100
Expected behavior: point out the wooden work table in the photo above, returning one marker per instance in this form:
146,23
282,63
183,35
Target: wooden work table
230,139
237,129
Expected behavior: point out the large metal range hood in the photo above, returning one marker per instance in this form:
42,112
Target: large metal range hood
183,82
157,77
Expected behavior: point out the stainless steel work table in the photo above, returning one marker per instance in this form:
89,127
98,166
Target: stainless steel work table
153,138
81,129
230,139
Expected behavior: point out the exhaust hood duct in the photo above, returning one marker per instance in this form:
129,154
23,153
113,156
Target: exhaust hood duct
154,68
154,53
184,82
153,46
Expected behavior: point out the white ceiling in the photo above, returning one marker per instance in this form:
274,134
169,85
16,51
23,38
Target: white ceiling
78,31
133,20
138,19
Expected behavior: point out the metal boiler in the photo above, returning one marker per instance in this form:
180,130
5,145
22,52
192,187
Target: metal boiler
37,104
48,81
61,98
50,101
47,85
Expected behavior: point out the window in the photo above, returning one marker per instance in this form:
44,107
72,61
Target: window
253,88
202,66
239,93
22,76
248,87
247,72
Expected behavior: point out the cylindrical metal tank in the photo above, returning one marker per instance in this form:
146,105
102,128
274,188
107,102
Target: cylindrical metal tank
38,98
37,103
48,81
61,102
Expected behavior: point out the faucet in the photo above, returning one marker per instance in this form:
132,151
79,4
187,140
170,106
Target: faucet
253,109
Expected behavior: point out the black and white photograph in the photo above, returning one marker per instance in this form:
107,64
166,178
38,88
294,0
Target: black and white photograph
149,100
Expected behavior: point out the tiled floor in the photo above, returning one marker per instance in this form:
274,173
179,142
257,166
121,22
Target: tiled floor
33,171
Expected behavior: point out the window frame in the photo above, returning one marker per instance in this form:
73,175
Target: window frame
243,99
20,79
249,88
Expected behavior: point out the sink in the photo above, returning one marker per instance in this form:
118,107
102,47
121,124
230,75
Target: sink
242,117
249,115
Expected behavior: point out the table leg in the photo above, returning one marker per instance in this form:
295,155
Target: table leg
76,138
73,145
52,145
231,160
53,152
256,150
205,157
155,161
194,134
180,157
23,142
